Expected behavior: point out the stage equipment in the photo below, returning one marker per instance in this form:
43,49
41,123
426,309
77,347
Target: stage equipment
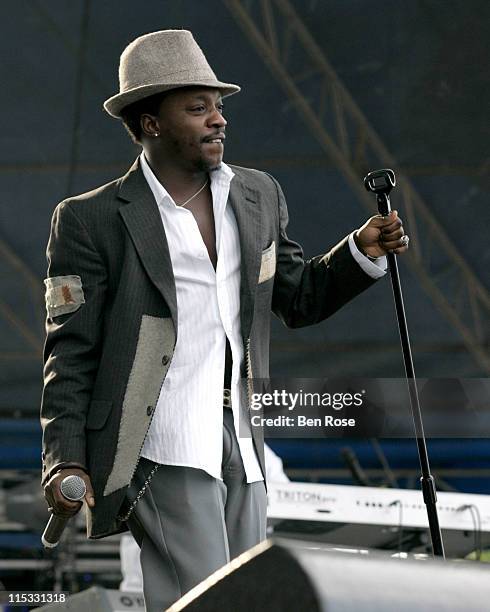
72,488
284,575
374,517
381,182
352,462
25,504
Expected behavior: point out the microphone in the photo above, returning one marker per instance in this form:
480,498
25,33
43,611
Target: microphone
72,488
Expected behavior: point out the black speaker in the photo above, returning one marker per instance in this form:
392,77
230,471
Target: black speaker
284,575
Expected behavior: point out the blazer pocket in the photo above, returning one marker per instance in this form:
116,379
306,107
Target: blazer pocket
268,263
98,413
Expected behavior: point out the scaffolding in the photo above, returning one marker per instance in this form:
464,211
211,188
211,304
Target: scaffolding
297,62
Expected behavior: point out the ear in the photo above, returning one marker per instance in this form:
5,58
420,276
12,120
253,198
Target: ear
150,125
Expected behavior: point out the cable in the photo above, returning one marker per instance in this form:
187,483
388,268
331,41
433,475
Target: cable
478,551
477,531
384,463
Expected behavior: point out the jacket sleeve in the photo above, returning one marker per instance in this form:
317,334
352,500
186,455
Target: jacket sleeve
306,292
75,296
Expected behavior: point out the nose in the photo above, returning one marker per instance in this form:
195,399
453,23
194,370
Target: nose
216,119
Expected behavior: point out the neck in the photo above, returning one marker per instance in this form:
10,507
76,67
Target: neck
177,180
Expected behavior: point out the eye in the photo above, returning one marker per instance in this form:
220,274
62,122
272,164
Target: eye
198,109
220,108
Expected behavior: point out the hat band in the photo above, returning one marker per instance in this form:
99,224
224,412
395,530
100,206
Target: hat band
184,76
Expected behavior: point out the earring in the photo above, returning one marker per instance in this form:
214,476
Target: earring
156,135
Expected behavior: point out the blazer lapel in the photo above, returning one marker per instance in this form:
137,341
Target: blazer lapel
142,219
245,204
144,224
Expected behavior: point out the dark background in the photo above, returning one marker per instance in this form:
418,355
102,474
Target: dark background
418,71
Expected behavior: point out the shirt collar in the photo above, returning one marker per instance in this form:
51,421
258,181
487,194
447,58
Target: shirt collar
224,176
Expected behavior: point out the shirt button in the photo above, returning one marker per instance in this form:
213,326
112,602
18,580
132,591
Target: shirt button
201,255
165,359
149,410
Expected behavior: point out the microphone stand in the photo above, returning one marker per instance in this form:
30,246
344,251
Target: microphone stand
381,182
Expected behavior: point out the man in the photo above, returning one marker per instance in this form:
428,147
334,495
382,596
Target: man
159,293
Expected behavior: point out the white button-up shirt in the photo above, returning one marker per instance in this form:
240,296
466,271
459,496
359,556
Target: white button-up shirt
187,427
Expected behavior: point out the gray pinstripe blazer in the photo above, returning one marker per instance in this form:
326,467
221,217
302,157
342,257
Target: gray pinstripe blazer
106,357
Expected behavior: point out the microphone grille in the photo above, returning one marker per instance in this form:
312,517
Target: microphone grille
73,488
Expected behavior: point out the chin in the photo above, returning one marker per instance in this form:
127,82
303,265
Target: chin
209,165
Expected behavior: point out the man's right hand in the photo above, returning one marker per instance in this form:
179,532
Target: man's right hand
55,499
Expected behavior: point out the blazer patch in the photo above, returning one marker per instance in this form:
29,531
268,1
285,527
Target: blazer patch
156,339
64,294
268,263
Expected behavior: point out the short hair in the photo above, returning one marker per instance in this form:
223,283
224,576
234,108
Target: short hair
131,115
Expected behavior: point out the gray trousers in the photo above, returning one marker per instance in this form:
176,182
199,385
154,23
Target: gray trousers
189,524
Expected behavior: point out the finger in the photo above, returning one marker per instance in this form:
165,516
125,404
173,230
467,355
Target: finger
59,510
399,246
380,221
48,496
392,236
63,505
55,504
392,245
63,513
65,508
392,226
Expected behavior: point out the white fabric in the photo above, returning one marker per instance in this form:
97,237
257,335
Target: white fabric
129,552
274,471
376,268
187,428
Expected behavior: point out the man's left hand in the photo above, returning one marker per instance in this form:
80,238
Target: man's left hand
379,235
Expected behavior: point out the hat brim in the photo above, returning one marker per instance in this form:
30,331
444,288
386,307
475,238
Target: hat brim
115,104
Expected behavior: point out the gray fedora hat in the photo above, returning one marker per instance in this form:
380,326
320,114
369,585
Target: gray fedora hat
161,61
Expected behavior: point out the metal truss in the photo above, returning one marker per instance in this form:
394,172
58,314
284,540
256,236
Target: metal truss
299,64
16,269
21,272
